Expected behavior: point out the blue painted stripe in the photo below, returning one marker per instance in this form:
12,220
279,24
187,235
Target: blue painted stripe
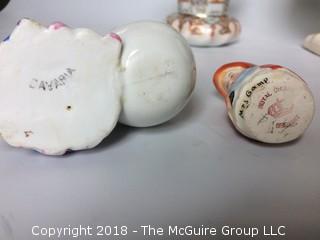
241,79
7,38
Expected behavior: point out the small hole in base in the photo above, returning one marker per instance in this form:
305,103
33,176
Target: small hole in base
28,133
69,108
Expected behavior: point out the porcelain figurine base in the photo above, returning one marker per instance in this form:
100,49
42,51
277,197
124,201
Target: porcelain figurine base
216,31
267,103
65,89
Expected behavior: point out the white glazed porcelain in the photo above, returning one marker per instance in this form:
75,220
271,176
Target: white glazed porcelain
267,103
158,73
63,89
58,90
312,43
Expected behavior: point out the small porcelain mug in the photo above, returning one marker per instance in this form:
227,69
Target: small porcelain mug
268,103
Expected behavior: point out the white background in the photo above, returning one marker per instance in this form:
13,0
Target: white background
193,170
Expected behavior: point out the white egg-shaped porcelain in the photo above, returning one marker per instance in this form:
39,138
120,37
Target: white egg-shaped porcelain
158,73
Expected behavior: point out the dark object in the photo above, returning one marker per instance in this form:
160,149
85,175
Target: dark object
3,4
231,96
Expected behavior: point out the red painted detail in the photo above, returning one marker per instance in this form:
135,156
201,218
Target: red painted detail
272,66
57,25
277,110
115,36
218,78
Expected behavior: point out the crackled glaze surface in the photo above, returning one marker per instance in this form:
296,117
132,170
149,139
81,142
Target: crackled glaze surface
268,103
